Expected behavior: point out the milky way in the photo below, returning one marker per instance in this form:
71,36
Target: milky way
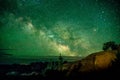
35,28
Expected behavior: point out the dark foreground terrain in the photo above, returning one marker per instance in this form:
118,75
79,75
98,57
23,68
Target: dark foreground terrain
109,74
104,65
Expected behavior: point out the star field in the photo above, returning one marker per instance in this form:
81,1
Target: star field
36,28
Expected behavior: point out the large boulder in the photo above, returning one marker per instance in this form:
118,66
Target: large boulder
94,62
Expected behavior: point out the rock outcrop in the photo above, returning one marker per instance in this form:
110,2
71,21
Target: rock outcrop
93,62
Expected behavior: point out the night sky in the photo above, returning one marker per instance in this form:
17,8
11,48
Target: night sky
33,28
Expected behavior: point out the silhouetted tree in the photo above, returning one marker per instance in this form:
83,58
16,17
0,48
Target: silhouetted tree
60,62
111,45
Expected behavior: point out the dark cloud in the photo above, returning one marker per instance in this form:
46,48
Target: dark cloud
8,5
3,53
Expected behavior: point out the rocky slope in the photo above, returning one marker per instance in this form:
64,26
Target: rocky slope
94,62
